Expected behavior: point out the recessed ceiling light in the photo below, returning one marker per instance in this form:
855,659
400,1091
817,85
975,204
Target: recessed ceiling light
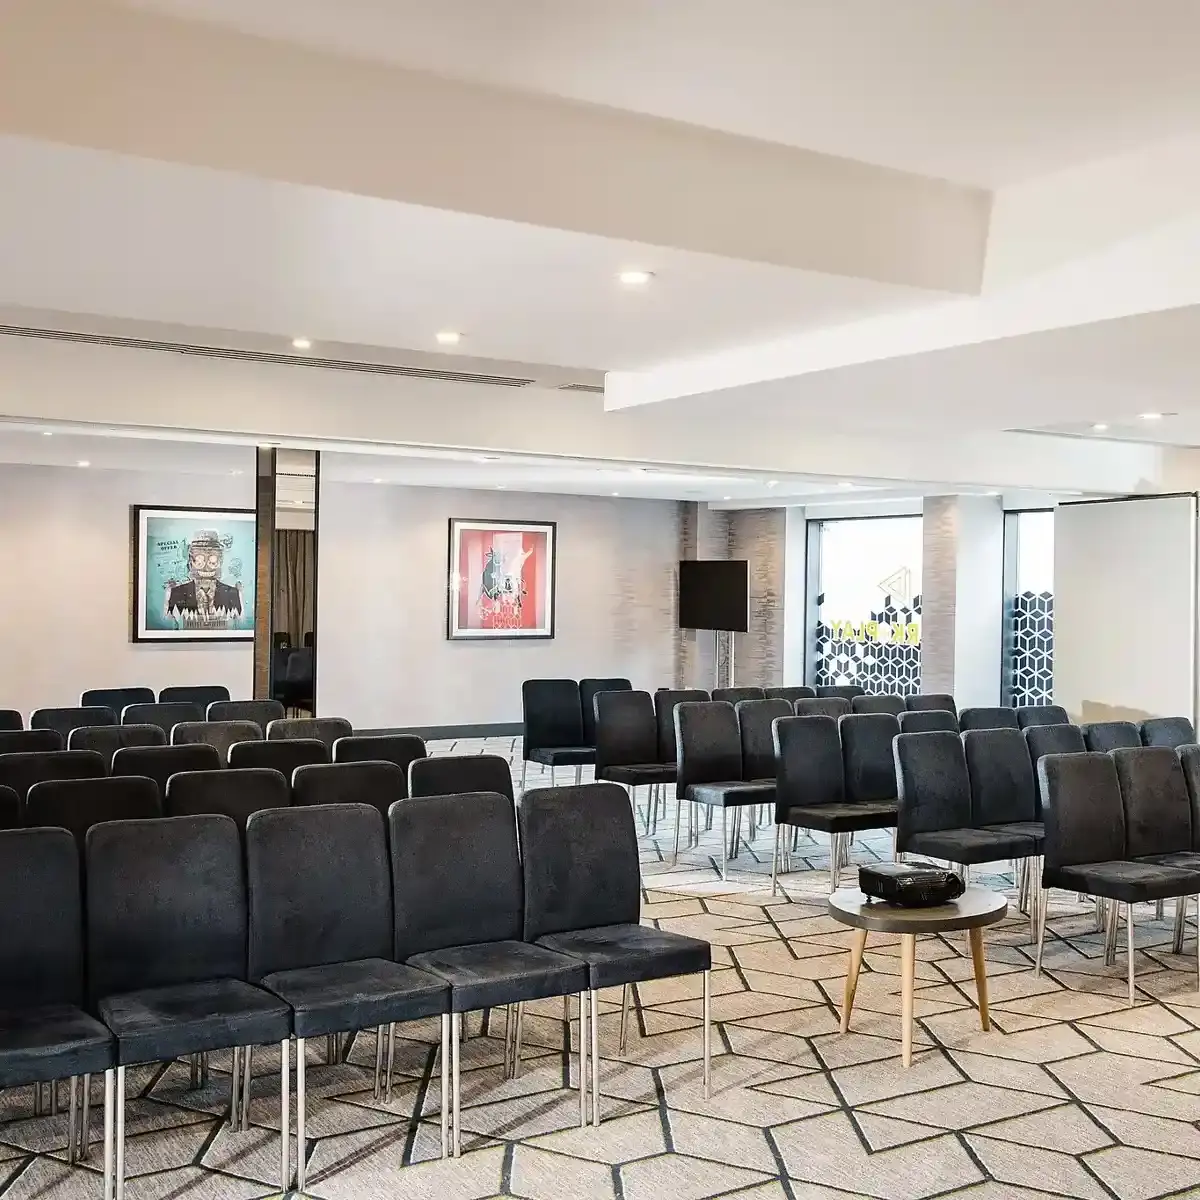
237,472
1151,416
635,278
376,480
845,483
1099,427
301,343
47,433
772,483
500,487
448,337
482,458
726,497
616,493
83,462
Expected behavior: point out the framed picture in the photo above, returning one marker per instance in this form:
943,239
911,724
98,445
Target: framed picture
501,581
193,574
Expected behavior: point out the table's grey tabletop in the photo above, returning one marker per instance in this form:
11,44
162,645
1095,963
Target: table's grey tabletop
974,908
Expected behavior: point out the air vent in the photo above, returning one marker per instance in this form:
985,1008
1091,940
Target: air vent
258,356
595,389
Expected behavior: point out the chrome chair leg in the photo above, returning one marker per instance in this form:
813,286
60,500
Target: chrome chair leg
301,1132
595,1056
331,1048
775,862
391,1064
624,1020
1129,949
583,1058
110,1190
377,1093
455,1035
1110,940
707,1036
678,817
578,775
235,1091
1180,922
72,1120
445,1083
553,776
247,1076
1159,909
119,1118
285,1117
85,1120
524,771
194,1080
517,1040
1040,908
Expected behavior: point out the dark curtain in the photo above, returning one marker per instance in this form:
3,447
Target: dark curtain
295,583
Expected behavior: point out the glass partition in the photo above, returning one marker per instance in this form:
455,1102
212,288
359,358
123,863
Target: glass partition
1029,617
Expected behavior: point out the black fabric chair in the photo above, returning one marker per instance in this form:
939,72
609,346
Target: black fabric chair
451,775
708,768
790,694
589,689
379,784
1003,782
839,691
755,719
21,771
201,695
867,760
45,1034
403,749
931,701
1052,739
1189,760
237,793
116,698
893,705
106,740
30,741
458,900
927,720
320,937
822,706
627,742
167,963
1171,732
935,815
294,684
77,804
732,695
665,701
284,756
161,762
580,859
810,787
220,735
10,809
1103,736
65,720
321,729
261,712
10,720
987,718
165,716
1041,714
553,732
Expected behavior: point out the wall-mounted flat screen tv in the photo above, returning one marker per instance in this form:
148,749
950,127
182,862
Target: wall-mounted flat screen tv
714,594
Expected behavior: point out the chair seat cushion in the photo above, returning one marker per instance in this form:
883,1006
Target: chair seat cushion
165,1022
971,845
847,817
1184,860
357,995
620,954
640,775
1127,882
492,974
563,756
51,1043
732,793
1030,829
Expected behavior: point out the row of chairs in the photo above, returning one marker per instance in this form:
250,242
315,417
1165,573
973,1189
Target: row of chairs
317,921
166,715
104,706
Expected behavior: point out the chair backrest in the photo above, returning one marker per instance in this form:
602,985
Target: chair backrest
732,695
987,718
867,759
625,730
1003,784
261,712
456,877
299,667
553,714
161,762
10,720
1041,714
106,740
808,764
708,744
579,854
283,757
589,689
878,704
10,809
928,720
30,741
116,698
403,749
236,793
65,720
321,729
320,887
1189,760
1102,736
822,706
755,718
843,691
41,936
935,701
21,771
220,735
165,716
1158,807
379,784
78,804
933,788
790,694
457,774
1082,809
201,695
1052,739
665,701
1171,732
166,903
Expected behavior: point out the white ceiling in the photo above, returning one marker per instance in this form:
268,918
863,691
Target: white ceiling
978,91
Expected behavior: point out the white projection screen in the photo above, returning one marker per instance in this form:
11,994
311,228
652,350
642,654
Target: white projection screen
1125,608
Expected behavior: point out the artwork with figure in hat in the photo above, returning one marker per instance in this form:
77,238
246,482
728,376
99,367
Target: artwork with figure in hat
193,574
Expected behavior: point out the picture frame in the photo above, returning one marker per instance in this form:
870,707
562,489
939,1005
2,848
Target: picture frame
501,580
194,572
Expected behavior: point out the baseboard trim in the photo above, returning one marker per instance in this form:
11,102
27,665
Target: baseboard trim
441,733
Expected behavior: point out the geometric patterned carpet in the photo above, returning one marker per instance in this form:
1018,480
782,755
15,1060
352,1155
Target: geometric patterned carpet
1071,1094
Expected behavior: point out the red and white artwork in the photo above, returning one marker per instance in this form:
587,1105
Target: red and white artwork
501,579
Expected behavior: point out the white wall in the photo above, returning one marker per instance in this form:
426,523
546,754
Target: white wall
382,551
979,602
65,603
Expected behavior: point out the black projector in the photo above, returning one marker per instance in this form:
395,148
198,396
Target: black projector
910,885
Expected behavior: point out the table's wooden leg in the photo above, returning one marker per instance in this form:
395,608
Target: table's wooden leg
856,957
976,938
908,960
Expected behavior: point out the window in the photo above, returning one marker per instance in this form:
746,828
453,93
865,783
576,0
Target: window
866,619
1029,624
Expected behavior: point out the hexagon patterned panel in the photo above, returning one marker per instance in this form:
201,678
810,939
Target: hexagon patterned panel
1031,665
889,668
